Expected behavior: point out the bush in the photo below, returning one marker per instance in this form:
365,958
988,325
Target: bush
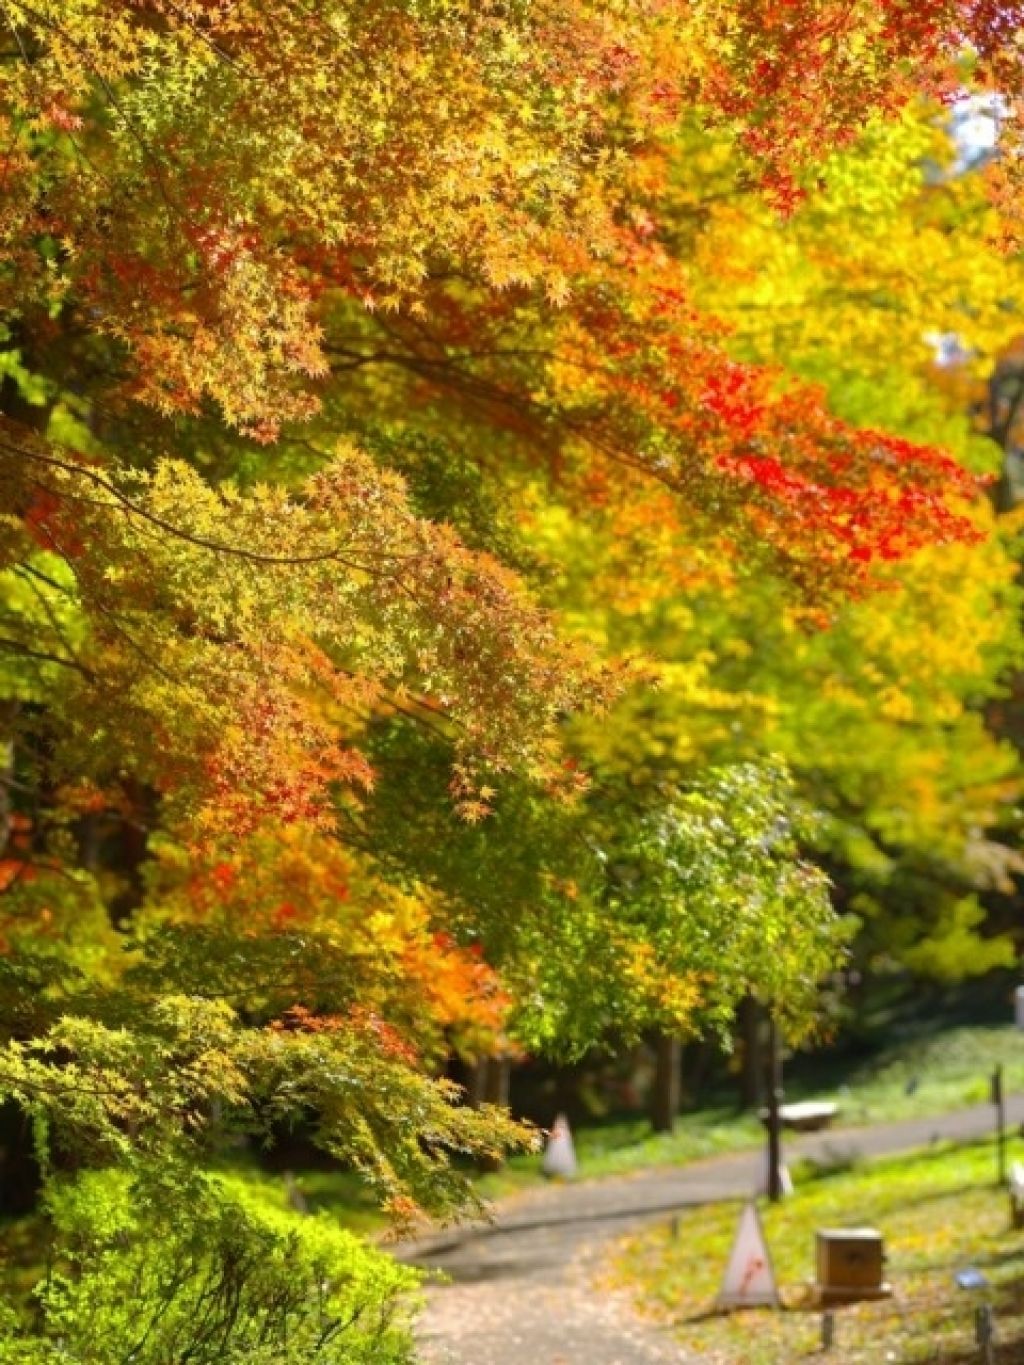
196,1270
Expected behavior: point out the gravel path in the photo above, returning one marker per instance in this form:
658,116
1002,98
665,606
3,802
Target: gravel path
522,1288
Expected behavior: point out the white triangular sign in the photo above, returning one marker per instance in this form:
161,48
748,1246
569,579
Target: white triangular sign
559,1155
749,1278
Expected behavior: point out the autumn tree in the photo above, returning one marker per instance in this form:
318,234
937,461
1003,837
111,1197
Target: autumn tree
317,320
886,717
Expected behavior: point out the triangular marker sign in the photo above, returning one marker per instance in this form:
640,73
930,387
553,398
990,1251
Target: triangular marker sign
749,1278
559,1155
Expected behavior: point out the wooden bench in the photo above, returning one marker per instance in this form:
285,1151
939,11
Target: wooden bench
805,1116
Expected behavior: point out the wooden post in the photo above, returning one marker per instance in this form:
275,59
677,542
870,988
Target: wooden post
999,1100
774,1106
984,1333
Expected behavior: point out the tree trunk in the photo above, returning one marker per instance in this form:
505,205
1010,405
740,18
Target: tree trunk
498,1080
20,1176
698,1058
476,1087
9,709
750,1017
491,1086
667,1083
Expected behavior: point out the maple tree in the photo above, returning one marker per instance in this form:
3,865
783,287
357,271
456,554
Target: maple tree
883,716
224,297
322,326
895,261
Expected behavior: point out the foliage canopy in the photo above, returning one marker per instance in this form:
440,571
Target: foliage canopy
387,390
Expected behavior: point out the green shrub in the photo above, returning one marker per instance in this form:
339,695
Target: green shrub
199,1271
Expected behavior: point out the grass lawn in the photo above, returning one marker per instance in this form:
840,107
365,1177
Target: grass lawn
938,1210
624,1145
931,1075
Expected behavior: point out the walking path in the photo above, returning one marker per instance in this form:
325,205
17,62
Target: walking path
521,1290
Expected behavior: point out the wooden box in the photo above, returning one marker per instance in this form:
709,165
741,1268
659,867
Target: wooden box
850,1263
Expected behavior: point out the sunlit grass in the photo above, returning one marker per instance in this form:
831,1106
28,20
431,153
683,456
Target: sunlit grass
947,1070
622,1146
939,1210
929,1075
